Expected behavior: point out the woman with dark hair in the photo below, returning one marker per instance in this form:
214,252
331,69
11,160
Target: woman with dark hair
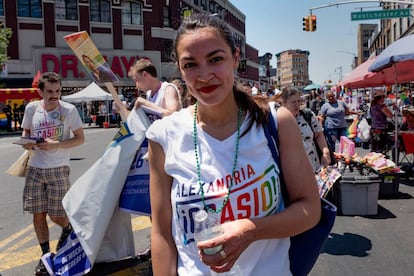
379,124
214,155
333,114
312,131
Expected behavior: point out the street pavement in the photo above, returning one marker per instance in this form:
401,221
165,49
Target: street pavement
379,244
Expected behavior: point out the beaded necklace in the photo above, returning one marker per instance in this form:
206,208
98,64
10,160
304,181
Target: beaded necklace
236,154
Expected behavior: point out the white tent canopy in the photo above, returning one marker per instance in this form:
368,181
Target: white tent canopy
90,93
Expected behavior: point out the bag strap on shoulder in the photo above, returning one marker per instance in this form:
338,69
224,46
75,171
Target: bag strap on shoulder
307,115
272,136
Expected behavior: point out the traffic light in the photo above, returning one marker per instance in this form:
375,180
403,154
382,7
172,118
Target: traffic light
306,24
312,23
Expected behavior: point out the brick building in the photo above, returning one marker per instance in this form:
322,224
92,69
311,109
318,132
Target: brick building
123,31
292,68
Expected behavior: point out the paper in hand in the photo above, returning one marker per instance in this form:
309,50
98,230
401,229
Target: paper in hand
27,140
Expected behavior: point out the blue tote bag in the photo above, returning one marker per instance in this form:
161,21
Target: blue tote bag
305,247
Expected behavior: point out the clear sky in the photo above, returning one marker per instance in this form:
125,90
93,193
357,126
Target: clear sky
274,26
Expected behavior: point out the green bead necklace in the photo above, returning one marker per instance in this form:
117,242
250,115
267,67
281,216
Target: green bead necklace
236,154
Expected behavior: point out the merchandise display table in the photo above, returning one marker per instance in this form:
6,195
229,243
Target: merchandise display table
363,181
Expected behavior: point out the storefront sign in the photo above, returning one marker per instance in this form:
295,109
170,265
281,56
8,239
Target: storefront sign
69,67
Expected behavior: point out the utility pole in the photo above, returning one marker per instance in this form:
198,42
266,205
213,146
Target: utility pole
354,61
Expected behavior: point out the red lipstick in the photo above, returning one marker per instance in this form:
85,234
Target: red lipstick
208,89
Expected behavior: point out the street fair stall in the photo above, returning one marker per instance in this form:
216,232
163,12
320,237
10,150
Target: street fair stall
363,180
396,63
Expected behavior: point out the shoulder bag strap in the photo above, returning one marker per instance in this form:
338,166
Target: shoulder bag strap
272,136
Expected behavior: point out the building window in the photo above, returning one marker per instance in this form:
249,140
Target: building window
66,9
195,2
29,8
131,13
100,10
212,7
166,16
204,4
1,8
166,55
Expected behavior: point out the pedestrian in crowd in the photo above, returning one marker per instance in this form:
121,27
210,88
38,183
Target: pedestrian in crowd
211,156
188,100
311,133
408,124
380,113
20,112
102,114
407,101
16,116
255,90
7,109
183,91
333,115
47,179
316,102
102,109
162,97
89,112
115,114
247,88
364,107
270,92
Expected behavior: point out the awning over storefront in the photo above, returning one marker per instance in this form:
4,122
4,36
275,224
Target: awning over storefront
18,94
18,90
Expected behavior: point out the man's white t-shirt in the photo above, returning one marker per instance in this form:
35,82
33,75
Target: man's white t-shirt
57,124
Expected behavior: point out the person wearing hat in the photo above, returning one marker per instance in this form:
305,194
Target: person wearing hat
408,124
379,121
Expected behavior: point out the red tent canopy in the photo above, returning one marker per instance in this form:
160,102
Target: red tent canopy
361,77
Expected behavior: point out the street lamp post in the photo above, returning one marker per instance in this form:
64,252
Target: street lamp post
340,72
354,61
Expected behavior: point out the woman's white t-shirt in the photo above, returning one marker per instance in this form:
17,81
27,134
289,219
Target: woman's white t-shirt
255,191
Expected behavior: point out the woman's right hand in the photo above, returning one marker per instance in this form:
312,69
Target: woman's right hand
326,157
234,241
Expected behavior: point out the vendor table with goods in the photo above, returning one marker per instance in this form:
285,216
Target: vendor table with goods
357,182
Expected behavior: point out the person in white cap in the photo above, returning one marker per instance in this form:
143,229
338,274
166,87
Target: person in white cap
379,121
408,124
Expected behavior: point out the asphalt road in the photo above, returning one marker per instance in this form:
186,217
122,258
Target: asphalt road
19,250
381,244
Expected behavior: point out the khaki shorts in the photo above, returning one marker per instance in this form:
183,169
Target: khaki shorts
45,189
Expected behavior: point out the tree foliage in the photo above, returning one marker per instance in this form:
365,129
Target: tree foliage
5,34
